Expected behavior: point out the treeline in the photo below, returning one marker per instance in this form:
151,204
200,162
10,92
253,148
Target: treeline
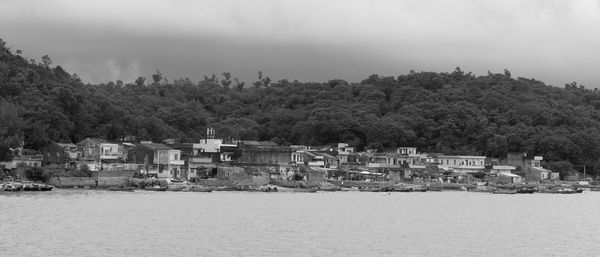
451,113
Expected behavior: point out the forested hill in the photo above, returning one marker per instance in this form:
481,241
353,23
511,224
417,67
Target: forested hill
452,113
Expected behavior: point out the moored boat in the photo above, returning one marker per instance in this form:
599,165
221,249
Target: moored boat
298,189
24,186
156,188
175,189
504,191
525,190
569,191
124,189
369,189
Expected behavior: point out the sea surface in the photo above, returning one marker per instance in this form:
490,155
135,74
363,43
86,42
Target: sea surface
104,223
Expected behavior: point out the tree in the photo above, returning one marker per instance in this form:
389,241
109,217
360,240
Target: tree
140,81
226,81
46,61
37,174
11,130
157,77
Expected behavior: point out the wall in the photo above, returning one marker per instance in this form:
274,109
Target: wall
88,181
247,181
267,155
116,173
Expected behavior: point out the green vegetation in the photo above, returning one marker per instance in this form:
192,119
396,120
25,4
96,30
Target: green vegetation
452,113
37,174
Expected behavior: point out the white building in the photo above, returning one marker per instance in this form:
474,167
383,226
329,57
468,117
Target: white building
460,163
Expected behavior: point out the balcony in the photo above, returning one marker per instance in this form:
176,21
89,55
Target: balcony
176,162
36,157
170,162
110,156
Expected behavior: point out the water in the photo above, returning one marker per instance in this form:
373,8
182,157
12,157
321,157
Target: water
104,223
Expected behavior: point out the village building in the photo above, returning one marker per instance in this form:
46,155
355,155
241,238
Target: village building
459,163
60,154
502,169
24,158
262,152
509,178
158,159
100,150
531,168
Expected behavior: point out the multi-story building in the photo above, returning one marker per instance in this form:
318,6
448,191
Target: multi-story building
157,159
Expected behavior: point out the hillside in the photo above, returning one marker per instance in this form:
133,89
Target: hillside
453,113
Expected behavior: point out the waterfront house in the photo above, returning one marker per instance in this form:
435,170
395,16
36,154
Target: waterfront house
346,154
60,154
313,159
157,159
509,178
100,150
502,169
262,152
24,158
460,163
90,148
531,167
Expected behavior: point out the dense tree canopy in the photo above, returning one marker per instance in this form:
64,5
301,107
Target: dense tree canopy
452,113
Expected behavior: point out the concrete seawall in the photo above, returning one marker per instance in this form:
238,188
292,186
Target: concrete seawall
88,181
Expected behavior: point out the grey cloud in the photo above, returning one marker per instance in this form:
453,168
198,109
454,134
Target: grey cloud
552,41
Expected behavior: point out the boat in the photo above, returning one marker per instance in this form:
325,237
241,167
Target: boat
25,186
175,189
504,191
330,187
298,189
403,189
481,190
569,191
124,189
370,189
156,188
226,188
268,188
435,189
525,190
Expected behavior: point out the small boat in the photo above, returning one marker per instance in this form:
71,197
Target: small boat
403,189
25,186
268,188
298,189
435,189
370,189
504,191
525,190
569,191
175,189
225,188
124,189
423,189
481,190
156,188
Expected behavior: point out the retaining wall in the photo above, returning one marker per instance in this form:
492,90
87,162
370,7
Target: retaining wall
88,181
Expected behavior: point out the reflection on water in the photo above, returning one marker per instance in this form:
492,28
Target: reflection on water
104,223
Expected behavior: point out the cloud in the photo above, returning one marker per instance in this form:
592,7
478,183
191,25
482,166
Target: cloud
554,41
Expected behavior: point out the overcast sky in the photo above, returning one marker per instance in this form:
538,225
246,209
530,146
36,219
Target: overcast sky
309,40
